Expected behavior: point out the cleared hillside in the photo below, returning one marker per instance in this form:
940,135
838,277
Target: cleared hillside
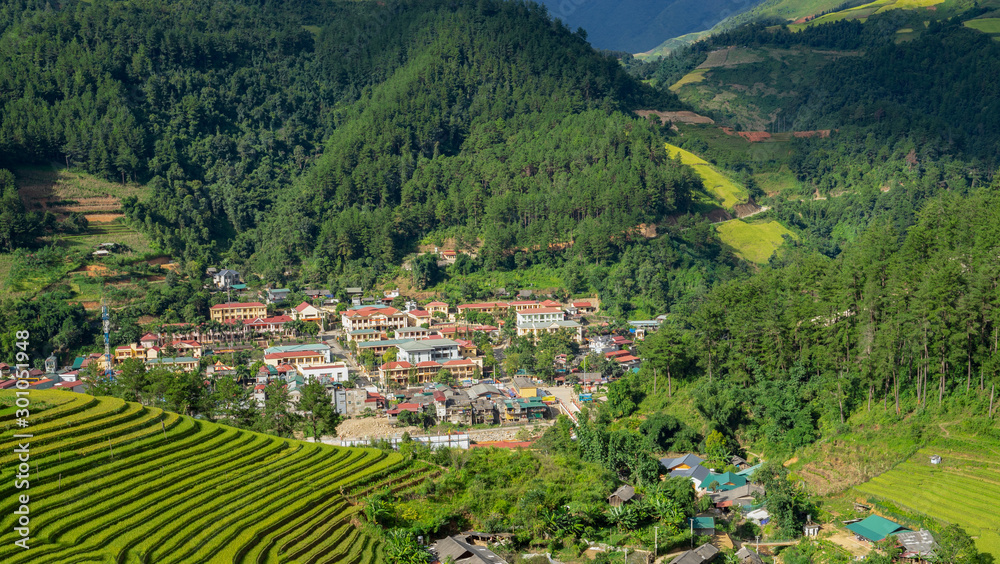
118,481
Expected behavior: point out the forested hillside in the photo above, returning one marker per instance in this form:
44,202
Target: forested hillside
343,130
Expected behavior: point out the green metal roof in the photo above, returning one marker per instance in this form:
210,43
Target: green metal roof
727,481
77,363
703,523
748,473
875,528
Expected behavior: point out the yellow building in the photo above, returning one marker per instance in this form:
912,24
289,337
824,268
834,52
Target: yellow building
242,311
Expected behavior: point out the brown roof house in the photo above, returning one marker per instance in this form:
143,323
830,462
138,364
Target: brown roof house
463,552
622,496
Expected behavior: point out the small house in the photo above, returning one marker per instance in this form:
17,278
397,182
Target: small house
810,529
621,496
917,545
704,526
702,555
747,555
875,528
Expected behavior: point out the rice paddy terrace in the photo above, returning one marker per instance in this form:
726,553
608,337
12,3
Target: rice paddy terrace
113,481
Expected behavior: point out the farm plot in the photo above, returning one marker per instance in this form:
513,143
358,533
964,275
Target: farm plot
755,242
960,490
728,192
985,25
117,481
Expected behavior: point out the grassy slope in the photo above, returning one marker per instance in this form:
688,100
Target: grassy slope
961,490
724,189
755,242
117,479
61,191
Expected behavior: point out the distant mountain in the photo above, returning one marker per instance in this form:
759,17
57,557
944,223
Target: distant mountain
640,25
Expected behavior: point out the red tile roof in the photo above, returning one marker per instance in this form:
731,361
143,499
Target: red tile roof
149,337
484,305
550,303
616,353
525,302
437,304
542,310
370,311
419,313
627,358
277,319
582,304
427,363
238,304
459,362
396,365
302,306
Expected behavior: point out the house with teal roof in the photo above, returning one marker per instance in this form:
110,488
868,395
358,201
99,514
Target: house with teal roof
874,528
726,481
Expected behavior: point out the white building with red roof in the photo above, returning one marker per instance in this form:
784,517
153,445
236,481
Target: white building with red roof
373,317
306,312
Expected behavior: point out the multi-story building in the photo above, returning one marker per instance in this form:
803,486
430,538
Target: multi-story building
242,311
373,317
315,353
438,350
485,307
335,372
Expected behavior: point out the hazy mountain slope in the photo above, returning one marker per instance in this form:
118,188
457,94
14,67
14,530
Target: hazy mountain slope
640,25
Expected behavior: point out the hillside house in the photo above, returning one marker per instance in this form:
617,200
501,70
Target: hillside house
723,482
747,555
306,312
584,307
704,526
917,545
461,550
875,528
229,312
225,278
702,555
276,295
621,496
686,462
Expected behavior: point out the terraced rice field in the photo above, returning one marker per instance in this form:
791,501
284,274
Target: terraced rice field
755,242
113,481
963,489
864,11
728,192
692,77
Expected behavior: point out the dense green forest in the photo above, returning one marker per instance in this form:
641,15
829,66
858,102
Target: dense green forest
337,133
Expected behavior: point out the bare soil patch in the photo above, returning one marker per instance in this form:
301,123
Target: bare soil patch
102,217
676,117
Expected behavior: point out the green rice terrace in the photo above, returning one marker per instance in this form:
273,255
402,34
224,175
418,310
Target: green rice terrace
121,482
961,489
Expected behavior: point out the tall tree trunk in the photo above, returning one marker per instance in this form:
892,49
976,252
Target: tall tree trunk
840,400
869,398
895,385
992,390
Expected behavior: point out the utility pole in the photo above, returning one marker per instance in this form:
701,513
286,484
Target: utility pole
656,538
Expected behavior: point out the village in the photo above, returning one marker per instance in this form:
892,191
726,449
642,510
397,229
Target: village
385,359
399,369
